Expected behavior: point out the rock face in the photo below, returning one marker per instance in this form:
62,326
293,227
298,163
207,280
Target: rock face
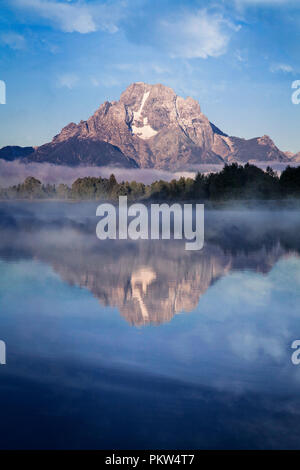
76,151
151,127
293,157
252,150
296,158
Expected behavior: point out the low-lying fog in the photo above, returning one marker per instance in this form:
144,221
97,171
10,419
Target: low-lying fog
15,172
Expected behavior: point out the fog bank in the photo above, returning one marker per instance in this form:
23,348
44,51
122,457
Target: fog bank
15,172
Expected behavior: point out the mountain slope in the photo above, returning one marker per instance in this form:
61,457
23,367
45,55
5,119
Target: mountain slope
296,158
11,153
75,151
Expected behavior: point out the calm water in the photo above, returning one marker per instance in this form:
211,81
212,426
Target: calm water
134,345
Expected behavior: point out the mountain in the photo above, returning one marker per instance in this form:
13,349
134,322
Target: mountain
75,150
11,153
296,157
151,127
293,157
253,150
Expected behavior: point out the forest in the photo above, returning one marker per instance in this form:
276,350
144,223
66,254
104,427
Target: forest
234,182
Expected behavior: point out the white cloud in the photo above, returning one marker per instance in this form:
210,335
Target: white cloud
199,34
281,68
68,80
13,40
77,16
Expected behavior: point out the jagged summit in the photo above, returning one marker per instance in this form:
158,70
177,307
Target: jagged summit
151,127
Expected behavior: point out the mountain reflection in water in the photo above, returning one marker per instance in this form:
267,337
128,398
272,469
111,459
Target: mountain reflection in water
147,281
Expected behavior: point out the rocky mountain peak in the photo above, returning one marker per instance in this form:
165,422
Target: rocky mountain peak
151,127
266,140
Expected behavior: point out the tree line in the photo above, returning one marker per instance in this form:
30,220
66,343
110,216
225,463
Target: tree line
233,182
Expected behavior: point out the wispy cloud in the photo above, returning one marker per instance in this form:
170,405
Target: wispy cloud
68,80
78,16
13,40
285,68
197,34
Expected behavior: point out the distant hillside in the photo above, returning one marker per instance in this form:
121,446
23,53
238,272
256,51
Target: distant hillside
11,153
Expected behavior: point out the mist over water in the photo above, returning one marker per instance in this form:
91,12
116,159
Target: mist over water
105,335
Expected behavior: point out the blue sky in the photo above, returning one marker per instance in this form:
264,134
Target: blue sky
60,59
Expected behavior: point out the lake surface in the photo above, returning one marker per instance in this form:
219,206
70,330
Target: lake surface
143,345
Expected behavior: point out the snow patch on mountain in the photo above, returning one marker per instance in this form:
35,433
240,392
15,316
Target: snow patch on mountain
144,131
